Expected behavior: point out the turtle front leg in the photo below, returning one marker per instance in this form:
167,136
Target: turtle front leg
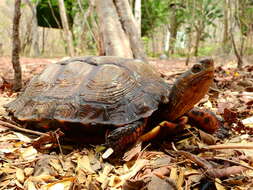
204,119
123,136
164,128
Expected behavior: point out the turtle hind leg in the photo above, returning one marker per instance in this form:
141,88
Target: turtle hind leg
204,119
122,137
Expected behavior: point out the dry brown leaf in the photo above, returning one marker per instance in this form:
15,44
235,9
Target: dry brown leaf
43,178
133,185
207,138
81,176
18,184
20,175
134,151
95,164
115,181
28,171
226,172
248,122
43,166
63,184
162,171
164,160
161,184
219,185
29,153
7,147
180,179
107,169
173,174
139,164
55,163
83,163
22,137
29,185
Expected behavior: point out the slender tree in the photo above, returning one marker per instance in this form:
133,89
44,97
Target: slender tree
65,25
34,29
137,15
225,40
16,47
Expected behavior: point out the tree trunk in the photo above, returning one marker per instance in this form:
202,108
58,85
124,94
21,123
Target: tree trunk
115,41
173,32
166,39
200,27
225,32
129,25
16,48
237,54
189,48
137,15
65,25
196,50
235,48
34,30
118,29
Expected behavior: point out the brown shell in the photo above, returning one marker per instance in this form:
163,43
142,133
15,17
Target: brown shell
97,90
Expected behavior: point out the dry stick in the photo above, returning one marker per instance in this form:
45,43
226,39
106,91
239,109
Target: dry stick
228,146
21,129
234,162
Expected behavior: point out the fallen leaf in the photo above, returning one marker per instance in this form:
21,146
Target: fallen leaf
22,137
207,138
248,122
161,184
20,175
83,163
134,151
28,171
29,185
29,153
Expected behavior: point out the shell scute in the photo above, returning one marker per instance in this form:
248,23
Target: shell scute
97,90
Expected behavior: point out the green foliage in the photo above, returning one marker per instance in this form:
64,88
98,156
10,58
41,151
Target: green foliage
48,11
154,14
245,16
202,13
207,50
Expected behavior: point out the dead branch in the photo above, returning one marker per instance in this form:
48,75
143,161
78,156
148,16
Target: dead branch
9,125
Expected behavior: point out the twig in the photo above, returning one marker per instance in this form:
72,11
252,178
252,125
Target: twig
21,129
228,146
234,162
211,171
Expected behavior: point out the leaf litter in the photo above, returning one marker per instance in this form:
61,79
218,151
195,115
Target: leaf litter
191,160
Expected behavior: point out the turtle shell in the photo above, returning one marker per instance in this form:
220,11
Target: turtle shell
92,90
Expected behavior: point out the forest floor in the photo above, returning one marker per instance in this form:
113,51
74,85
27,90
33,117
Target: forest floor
191,160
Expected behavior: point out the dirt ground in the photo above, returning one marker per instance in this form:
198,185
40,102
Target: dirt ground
191,160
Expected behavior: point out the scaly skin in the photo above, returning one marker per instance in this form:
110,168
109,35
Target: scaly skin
189,89
186,92
204,119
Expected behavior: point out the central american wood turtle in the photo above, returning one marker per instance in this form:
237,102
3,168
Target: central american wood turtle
123,95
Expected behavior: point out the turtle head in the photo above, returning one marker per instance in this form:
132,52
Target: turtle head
190,88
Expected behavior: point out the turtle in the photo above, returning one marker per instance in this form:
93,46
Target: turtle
123,95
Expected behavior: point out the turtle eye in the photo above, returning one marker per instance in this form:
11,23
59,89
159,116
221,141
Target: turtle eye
196,68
